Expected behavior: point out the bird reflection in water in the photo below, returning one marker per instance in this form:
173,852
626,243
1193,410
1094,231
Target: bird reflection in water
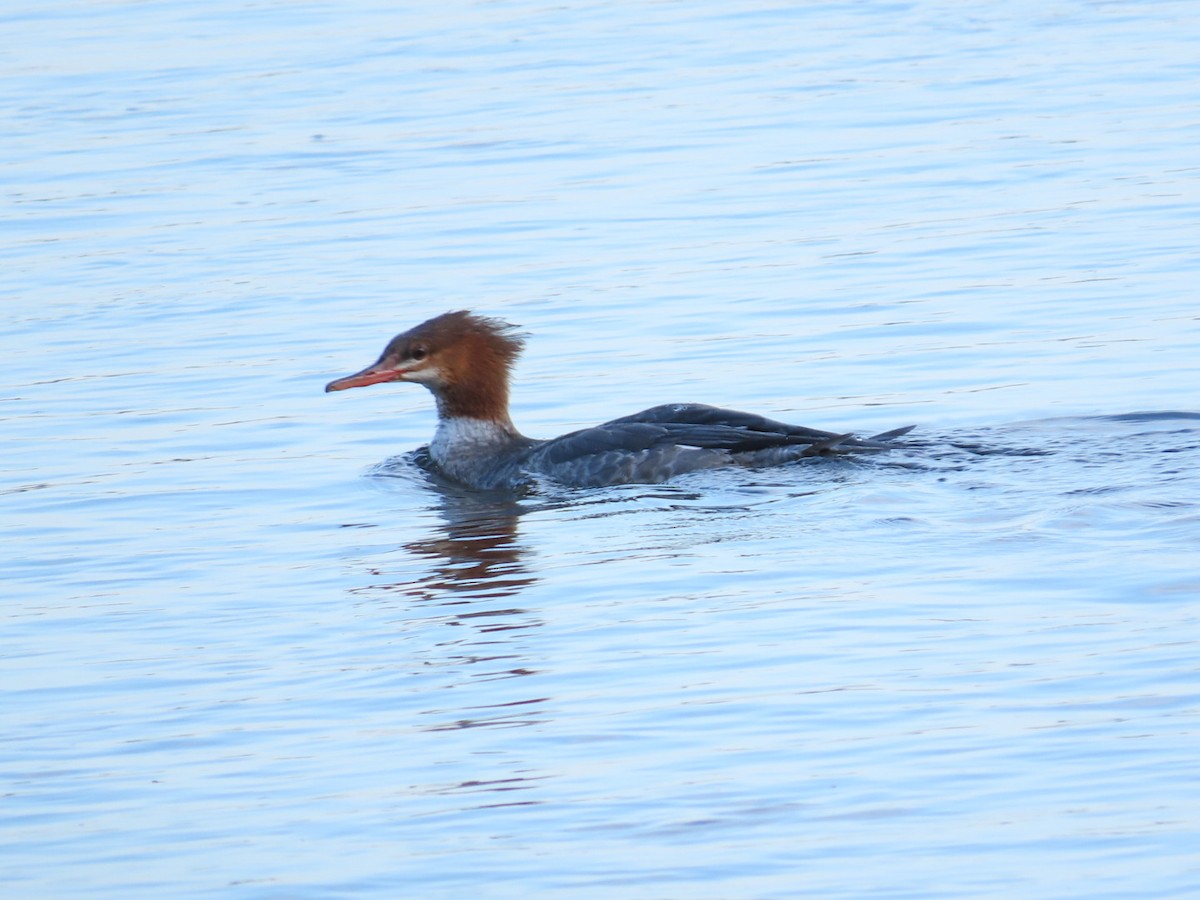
475,563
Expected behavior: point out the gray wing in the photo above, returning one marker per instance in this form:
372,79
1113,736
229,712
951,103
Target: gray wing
659,443
625,453
749,424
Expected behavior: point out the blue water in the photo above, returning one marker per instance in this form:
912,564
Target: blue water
250,649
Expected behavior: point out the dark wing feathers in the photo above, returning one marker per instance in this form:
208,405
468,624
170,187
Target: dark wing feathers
632,437
703,414
702,427
749,423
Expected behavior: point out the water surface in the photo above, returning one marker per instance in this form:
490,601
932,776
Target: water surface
250,649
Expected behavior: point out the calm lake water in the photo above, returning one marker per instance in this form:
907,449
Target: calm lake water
251,650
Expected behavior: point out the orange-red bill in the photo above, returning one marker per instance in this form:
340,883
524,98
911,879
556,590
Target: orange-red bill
369,375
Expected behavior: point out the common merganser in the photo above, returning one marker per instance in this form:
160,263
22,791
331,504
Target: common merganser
465,360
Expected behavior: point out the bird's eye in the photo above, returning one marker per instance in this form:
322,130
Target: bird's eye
417,353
